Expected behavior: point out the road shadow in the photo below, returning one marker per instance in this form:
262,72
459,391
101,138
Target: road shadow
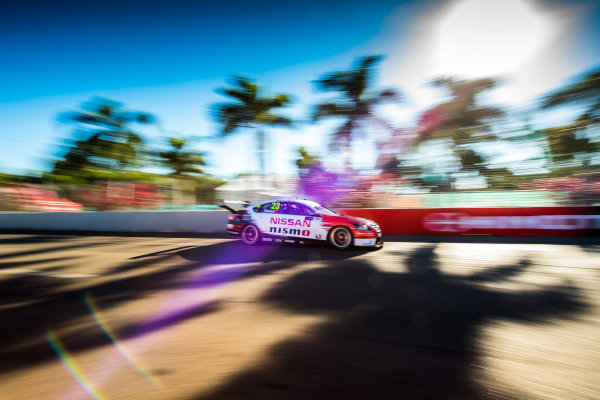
60,247
591,248
235,252
408,335
33,239
32,263
32,304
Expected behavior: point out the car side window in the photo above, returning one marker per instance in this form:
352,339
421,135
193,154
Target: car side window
297,209
274,207
309,211
284,208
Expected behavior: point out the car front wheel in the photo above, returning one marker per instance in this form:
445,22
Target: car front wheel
250,234
340,237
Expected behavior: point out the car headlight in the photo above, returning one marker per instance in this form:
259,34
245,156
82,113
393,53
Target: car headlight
361,227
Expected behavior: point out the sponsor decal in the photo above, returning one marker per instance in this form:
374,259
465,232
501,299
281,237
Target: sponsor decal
289,231
461,222
289,221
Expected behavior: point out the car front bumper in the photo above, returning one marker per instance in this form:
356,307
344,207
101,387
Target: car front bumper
370,242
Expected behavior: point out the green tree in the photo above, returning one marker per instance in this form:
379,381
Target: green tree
462,118
565,147
252,109
307,160
356,103
109,142
181,162
567,142
463,122
583,92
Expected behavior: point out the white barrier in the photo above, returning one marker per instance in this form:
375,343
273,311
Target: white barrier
119,221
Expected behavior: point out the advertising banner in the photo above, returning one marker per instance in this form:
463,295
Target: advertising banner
551,221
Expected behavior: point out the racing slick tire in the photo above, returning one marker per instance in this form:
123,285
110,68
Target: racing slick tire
250,235
340,237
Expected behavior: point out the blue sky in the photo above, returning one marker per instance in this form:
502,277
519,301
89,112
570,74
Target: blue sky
168,57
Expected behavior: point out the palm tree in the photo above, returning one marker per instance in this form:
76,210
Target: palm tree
252,109
585,91
461,117
181,162
307,160
564,143
462,121
109,144
356,104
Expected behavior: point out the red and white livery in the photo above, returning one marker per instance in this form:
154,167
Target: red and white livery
301,221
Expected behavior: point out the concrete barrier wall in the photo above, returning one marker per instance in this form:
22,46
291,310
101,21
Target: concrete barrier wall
563,221
119,221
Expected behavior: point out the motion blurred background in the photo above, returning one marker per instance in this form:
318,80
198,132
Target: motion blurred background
422,115
395,104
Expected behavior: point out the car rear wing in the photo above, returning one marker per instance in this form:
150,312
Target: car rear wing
224,205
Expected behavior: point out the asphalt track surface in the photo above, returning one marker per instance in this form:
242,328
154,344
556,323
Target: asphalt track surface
151,317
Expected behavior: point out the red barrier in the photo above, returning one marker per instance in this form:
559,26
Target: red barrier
521,221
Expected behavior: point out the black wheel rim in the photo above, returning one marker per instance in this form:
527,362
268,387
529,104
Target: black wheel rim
250,234
341,237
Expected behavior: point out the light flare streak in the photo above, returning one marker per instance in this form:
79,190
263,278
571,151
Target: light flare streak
171,310
115,341
71,366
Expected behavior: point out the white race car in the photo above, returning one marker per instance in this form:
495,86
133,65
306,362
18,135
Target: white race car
300,221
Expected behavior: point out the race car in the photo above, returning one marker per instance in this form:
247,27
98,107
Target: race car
300,221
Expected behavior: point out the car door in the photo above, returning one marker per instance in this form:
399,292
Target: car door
312,223
290,221
283,219
264,214
278,218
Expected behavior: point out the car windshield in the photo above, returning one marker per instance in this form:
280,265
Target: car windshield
325,211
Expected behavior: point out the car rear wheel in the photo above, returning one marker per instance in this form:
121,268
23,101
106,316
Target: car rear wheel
340,237
250,234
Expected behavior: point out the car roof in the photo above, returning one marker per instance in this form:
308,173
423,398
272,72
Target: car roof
309,203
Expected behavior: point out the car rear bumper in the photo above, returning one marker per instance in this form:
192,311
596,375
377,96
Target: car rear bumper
234,229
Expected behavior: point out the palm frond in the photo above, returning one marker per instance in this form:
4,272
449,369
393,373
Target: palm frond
239,94
387,95
252,109
364,63
332,110
334,81
232,115
585,90
268,118
342,135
